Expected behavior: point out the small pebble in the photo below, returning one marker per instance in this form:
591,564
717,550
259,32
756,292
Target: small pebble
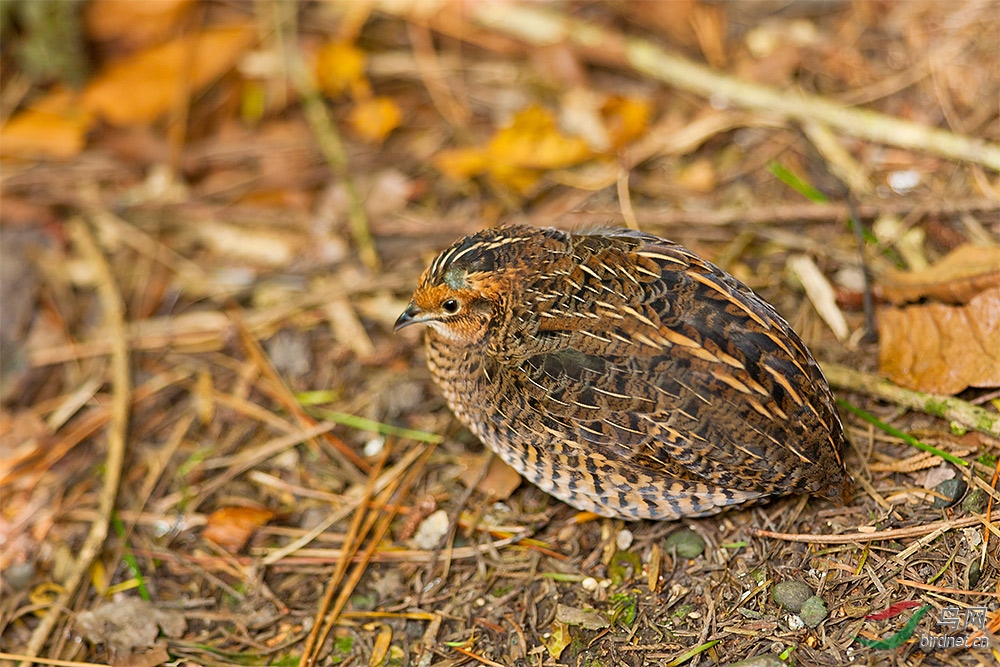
975,502
589,584
791,594
374,447
952,489
624,539
685,543
795,622
903,181
431,530
19,575
813,611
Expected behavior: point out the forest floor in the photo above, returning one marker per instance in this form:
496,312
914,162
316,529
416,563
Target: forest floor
216,451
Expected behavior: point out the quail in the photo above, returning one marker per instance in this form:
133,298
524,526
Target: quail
625,375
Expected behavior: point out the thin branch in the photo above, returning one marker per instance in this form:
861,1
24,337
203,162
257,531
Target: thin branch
848,538
543,27
946,407
121,388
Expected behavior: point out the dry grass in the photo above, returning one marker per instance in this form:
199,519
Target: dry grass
253,369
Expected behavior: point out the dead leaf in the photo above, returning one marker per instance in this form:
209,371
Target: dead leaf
708,21
380,648
231,527
934,476
518,153
557,640
589,619
129,623
55,126
942,349
698,176
461,163
154,656
625,118
956,278
142,87
340,68
500,481
533,141
135,23
375,118
267,246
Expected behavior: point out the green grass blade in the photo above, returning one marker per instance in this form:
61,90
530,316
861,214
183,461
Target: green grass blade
905,437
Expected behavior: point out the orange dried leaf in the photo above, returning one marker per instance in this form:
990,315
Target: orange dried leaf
533,141
500,481
956,278
340,68
231,527
942,349
134,22
461,163
374,119
380,648
625,118
39,133
141,88
518,153
515,178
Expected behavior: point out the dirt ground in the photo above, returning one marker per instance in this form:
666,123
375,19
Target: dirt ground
216,451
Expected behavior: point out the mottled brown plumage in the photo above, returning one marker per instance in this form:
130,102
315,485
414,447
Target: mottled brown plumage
624,375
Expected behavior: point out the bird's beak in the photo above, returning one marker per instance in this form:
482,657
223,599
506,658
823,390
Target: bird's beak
409,316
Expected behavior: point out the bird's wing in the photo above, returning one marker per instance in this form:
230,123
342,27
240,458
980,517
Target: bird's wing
646,352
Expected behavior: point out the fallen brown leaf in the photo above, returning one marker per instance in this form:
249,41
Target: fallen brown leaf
135,23
500,481
517,153
231,527
142,87
125,625
340,68
956,278
942,349
55,126
373,119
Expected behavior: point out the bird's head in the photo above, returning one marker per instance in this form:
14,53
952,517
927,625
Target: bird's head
466,287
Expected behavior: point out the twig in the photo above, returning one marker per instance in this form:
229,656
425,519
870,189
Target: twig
121,386
352,502
329,143
868,296
52,661
820,293
659,217
846,538
380,518
946,407
352,541
276,388
475,656
543,27
941,589
624,198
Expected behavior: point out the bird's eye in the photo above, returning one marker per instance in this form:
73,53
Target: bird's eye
451,306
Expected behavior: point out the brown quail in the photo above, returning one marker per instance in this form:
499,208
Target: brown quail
624,375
